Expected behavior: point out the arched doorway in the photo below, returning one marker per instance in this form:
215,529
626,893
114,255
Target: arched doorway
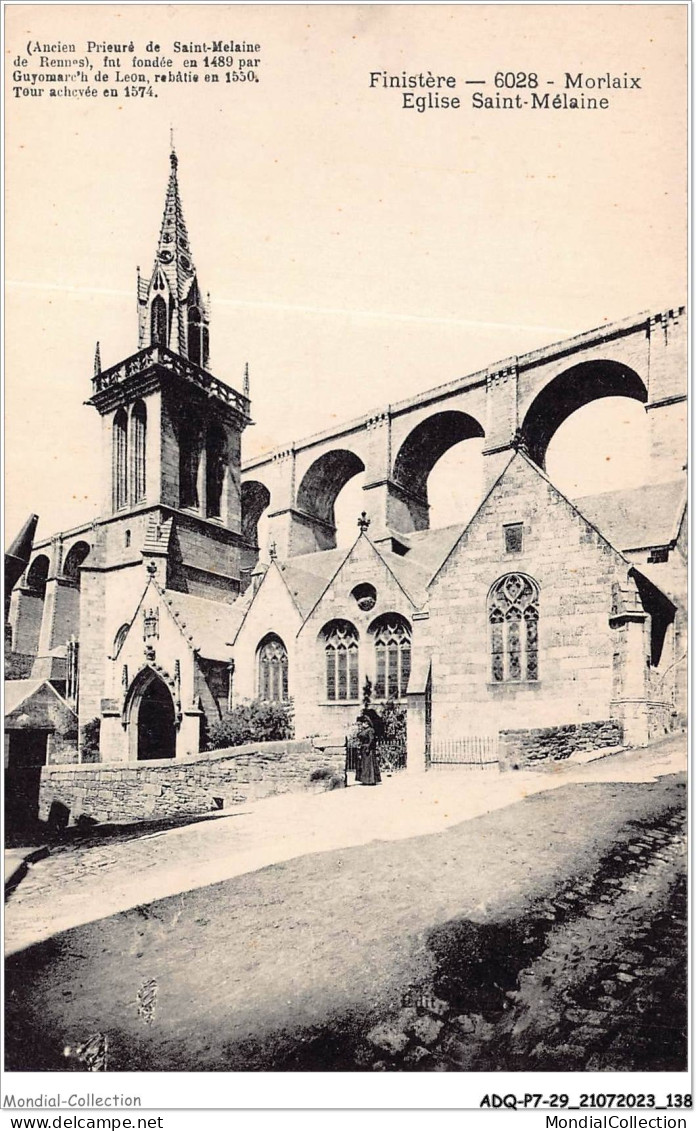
152,717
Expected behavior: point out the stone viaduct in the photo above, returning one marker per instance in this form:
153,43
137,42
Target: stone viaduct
521,400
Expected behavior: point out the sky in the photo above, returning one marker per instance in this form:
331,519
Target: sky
356,252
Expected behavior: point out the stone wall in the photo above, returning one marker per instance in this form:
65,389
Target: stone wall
660,721
522,747
139,791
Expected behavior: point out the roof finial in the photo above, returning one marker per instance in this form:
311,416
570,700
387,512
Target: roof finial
97,361
172,151
363,522
246,379
273,551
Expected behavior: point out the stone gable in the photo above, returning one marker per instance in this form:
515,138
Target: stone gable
574,568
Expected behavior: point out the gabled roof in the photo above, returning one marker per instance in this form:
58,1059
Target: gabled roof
322,563
304,587
308,575
17,691
638,518
516,459
20,692
210,626
412,576
429,548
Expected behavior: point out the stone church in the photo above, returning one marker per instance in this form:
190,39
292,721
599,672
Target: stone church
540,618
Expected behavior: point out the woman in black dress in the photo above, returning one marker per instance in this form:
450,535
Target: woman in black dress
367,770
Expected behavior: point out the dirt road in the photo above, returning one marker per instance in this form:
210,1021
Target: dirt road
443,950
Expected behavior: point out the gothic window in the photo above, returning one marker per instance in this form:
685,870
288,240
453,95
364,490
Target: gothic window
272,670
158,322
513,617
120,459
189,457
216,465
197,338
137,451
341,654
392,638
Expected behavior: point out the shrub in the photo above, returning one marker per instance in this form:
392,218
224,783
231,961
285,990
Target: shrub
90,741
393,719
252,722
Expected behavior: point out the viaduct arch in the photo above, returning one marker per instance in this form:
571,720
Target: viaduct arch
572,389
524,398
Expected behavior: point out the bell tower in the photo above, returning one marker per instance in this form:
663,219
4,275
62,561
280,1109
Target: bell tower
172,311
171,462
171,430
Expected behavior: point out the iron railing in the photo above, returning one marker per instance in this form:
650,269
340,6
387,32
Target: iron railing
473,750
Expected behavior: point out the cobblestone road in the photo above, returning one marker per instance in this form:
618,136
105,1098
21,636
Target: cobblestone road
605,988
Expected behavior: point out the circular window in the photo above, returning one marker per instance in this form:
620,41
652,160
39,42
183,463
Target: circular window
365,596
165,256
184,263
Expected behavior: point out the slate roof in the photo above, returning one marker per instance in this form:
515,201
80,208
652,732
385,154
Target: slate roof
306,588
307,575
429,548
412,575
211,626
20,692
17,691
639,517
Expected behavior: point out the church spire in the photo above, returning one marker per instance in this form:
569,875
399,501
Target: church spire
171,307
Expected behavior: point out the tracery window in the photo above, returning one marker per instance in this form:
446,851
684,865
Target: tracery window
513,617
273,670
341,650
158,322
120,459
137,451
392,638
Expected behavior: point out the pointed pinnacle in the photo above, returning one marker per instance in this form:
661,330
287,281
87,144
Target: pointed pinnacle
97,361
246,379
